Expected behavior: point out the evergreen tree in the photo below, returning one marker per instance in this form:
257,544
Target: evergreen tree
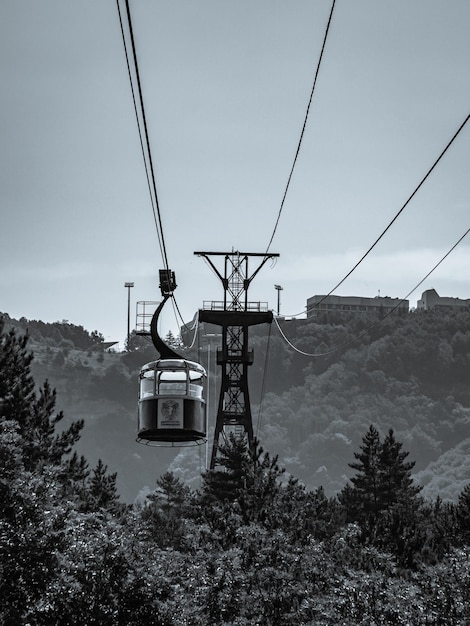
439,521
32,483
396,483
171,340
16,382
72,476
362,501
383,478
383,499
349,500
250,478
34,415
227,484
31,529
171,493
165,515
101,490
261,489
462,514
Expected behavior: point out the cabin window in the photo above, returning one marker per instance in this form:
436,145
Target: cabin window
195,391
147,385
171,389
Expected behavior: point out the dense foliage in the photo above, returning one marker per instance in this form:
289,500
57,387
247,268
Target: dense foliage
62,334
408,372
251,546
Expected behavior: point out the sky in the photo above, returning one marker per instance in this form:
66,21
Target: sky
226,86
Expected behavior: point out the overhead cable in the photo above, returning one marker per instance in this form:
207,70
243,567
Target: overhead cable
144,156
303,127
392,310
194,327
146,150
263,385
147,153
399,212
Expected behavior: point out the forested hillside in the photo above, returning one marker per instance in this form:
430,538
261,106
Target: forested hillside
408,373
251,546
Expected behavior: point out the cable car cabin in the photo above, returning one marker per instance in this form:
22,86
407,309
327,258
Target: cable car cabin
172,409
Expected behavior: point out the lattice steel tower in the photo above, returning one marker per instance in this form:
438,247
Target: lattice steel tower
235,314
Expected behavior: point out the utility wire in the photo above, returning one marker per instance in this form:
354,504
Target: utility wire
303,127
399,212
263,386
367,330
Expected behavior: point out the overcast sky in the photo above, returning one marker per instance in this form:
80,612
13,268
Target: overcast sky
226,85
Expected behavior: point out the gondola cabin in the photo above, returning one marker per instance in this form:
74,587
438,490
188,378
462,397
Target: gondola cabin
172,409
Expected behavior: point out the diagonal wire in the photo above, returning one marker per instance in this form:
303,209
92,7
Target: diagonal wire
423,180
367,330
155,204
139,128
303,127
263,385
146,152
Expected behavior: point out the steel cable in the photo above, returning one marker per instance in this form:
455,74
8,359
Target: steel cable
367,330
303,127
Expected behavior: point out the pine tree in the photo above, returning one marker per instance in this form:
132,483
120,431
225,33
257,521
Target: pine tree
32,413
383,499
261,490
171,493
226,485
462,514
32,534
166,511
350,501
101,490
366,483
396,483
383,478
16,382
72,476
33,479
171,340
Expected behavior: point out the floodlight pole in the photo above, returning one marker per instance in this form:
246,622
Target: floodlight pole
278,289
128,287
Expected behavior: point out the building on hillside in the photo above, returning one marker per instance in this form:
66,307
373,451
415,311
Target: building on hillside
378,305
109,346
430,299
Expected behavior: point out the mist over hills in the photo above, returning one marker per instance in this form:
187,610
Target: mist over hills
410,373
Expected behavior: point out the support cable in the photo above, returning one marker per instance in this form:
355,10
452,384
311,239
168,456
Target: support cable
423,180
148,161
263,385
195,335
147,140
139,128
146,150
303,127
367,330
